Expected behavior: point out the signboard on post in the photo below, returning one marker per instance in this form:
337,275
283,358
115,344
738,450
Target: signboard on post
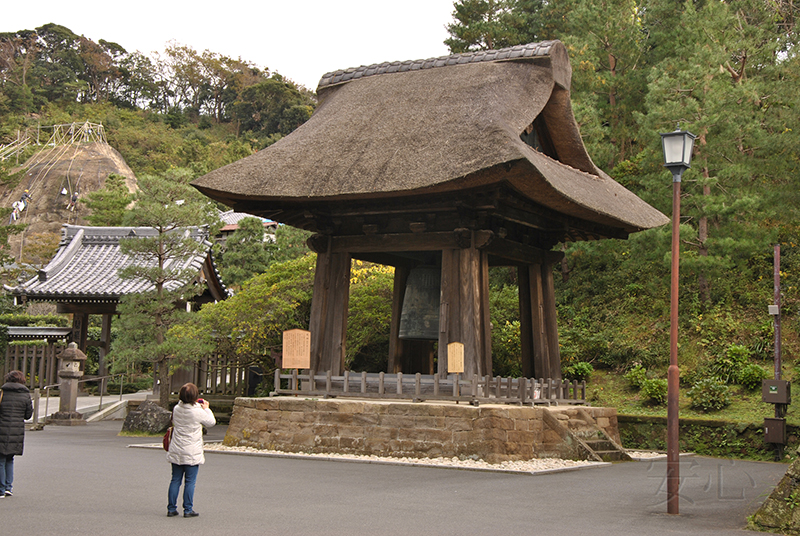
455,357
296,349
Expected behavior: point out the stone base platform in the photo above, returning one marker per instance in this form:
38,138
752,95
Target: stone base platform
494,433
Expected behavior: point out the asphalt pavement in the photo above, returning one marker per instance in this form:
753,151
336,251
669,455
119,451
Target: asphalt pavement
86,480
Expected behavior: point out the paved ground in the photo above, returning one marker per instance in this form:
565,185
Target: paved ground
85,480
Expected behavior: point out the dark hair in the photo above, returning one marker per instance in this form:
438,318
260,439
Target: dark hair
189,393
15,376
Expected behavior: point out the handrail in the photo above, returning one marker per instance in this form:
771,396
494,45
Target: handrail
92,379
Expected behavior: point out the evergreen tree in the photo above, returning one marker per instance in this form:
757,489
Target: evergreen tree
246,253
723,89
170,206
109,203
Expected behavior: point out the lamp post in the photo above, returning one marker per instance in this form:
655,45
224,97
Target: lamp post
677,148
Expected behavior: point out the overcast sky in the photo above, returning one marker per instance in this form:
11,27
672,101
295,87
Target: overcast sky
300,39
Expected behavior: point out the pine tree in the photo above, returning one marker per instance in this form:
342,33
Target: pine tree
170,206
109,203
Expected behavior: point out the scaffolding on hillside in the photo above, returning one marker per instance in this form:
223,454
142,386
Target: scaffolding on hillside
65,134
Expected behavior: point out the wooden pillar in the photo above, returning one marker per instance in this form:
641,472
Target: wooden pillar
541,357
105,345
539,346
395,363
525,322
329,306
550,315
80,327
464,312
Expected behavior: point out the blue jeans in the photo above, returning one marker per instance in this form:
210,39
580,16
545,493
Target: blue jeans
187,474
6,472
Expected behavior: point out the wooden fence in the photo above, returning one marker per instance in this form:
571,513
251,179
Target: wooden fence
419,387
38,363
218,376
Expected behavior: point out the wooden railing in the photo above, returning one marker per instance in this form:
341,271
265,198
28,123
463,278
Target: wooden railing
419,387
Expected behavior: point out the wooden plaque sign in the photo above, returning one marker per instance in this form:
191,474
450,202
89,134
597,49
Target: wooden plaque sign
455,357
296,349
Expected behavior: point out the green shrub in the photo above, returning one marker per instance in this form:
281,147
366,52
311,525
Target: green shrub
636,376
727,367
654,391
709,395
751,375
580,371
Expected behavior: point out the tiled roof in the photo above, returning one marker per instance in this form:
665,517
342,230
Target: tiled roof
32,333
87,262
231,218
518,52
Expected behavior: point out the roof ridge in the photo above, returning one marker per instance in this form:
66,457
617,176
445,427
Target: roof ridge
529,50
63,257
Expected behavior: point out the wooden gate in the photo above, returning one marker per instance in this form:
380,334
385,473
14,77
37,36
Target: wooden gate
38,362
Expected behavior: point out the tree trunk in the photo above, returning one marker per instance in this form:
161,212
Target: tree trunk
702,236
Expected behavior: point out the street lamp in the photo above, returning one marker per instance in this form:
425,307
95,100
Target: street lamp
677,148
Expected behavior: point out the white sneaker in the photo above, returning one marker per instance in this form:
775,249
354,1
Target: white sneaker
8,493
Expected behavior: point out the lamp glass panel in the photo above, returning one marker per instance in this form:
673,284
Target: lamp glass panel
673,149
687,148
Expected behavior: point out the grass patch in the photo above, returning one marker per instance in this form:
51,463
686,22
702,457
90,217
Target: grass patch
127,433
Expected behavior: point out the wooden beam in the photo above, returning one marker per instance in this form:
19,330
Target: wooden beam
86,308
514,251
395,242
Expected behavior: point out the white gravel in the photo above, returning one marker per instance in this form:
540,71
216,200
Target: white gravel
542,465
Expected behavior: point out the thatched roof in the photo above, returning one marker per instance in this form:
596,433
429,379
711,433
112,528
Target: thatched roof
436,127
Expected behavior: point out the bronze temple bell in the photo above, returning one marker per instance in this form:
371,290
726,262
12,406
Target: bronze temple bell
419,319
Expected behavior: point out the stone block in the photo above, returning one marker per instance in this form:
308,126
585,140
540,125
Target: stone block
365,419
375,408
457,424
428,421
396,421
345,406
296,404
334,418
264,404
377,447
527,438
352,444
381,433
493,422
463,412
325,430
414,410
304,440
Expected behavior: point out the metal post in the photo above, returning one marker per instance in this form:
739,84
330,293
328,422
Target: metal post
777,317
36,396
102,389
673,448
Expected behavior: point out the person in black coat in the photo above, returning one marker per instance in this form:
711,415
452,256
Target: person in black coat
15,408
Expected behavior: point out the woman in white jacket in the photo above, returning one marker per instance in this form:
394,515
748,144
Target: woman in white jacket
186,447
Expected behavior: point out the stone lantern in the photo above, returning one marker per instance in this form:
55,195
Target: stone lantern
69,372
